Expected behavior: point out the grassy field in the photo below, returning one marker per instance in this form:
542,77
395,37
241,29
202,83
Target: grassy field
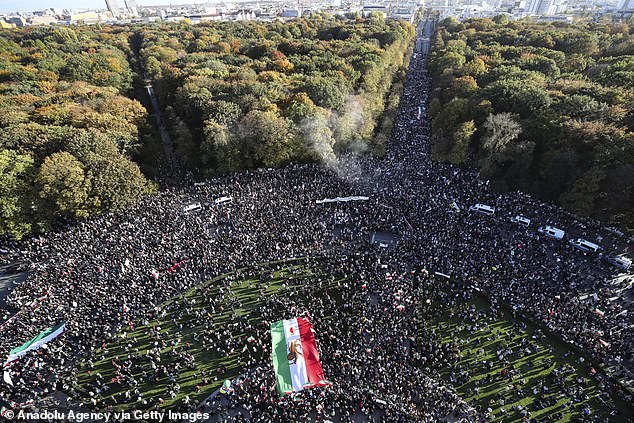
203,312
489,383
191,329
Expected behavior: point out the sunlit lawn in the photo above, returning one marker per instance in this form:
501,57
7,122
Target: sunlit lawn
547,354
245,296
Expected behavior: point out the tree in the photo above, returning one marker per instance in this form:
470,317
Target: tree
327,92
501,19
226,113
521,97
445,124
582,107
585,43
542,65
64,186
464,86
65,35
153,67
218,150
300,107
560,169
461,140
501,129
118,183
552,106
16,180
267,137
584,192
450,60
475,67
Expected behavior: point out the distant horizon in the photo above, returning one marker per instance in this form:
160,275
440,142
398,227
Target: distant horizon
7,6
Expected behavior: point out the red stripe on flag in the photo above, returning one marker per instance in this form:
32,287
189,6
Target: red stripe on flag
311,355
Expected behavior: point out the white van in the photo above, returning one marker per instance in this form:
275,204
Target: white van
620,261
223,200
483,209
192,207
614,231
584,245
521,220
552,232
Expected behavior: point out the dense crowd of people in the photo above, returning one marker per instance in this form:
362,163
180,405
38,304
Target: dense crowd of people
105,273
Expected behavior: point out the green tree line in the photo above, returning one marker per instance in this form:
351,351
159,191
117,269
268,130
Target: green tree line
68,129
542,108
236,95
248,94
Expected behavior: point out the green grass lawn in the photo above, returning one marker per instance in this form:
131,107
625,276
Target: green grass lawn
182,329
192,324
536,356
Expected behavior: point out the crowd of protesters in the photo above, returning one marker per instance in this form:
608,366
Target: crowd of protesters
115,270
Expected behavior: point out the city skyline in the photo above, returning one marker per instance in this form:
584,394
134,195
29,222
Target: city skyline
7,6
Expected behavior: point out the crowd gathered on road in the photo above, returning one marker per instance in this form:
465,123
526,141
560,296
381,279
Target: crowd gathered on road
105,273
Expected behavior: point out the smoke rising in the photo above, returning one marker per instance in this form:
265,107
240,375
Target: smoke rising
323,130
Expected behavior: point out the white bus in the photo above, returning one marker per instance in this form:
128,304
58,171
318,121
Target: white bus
521,220
584,245
483,209
552,232
620,261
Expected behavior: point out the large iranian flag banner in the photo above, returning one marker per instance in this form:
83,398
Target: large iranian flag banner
295,356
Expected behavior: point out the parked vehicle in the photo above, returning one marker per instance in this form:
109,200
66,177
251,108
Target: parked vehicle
223,200
552,232
521,220
192,207
584,245
483,209
621,261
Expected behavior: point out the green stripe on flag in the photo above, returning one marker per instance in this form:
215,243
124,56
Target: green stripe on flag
280,359
41,336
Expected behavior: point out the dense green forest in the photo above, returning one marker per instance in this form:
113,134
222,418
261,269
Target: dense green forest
542,108
68,129
249,94
75,136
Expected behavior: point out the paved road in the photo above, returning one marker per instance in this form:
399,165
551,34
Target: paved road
8,279
168,145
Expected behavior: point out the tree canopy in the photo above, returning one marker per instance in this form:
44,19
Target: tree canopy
233,96
69,128
544,108
244,92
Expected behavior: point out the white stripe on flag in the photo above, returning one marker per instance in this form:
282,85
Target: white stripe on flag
7,378
36,345
299,376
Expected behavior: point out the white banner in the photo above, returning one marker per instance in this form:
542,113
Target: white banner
342,199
